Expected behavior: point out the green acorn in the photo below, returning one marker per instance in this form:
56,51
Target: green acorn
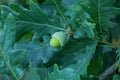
58,39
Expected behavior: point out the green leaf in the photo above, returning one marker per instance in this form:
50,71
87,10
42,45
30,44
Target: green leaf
2,62
8,34
75,10
7,38
4,77
38,53
3,68
116,77
75,54
88,77
115,34
85,30
118,53
66,74
67,3
34,19
7,41
59,8
47,9
43,72
17,57
19,71
101,11
32,74
83,57
78,20
27,1
27,37
95,66
77,17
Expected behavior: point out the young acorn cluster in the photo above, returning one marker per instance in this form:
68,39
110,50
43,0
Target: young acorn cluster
58,39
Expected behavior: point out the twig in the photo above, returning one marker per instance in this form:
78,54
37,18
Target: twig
107,43
108,71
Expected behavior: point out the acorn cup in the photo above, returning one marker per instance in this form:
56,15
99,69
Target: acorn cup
58,39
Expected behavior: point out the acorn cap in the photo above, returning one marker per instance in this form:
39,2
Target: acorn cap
61,36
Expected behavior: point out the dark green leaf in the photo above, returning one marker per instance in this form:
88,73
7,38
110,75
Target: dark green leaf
27,37
67,74
94,66
118,52
32,74
85,30
34,19
17,57
101,11
59,9
8,34
19,72
75,54
38,53
116,77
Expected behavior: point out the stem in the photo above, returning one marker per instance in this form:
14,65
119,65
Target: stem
43,25
9,66
60,12
110,44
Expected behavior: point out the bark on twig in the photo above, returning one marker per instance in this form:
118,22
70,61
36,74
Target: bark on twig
108,71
